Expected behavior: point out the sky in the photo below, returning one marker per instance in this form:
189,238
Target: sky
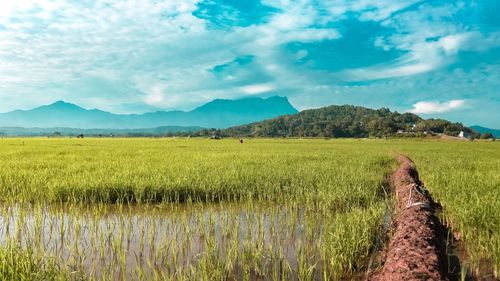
438,59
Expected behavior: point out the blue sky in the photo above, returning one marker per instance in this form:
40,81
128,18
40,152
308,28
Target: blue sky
434,58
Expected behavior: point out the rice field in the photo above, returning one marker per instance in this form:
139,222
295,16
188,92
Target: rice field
197,209
194,209
465,178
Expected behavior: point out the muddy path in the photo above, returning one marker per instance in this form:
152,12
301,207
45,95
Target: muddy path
418,248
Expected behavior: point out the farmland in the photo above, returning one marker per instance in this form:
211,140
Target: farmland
265,209
465,178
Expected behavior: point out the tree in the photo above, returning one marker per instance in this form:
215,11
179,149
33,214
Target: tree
487,135
346,121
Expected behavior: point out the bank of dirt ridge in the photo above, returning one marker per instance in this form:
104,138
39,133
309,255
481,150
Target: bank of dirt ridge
417,249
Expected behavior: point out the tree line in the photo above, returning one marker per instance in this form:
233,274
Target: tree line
345,121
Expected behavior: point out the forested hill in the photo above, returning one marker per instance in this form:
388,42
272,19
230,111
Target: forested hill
347,121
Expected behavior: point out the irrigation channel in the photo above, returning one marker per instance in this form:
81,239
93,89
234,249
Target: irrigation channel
420,248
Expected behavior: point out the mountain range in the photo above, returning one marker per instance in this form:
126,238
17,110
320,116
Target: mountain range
484,130
218,113
271,117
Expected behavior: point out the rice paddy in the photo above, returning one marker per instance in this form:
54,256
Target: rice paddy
196,209
465,178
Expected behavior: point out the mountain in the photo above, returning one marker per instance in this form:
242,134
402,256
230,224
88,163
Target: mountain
348,121
216,114
483,130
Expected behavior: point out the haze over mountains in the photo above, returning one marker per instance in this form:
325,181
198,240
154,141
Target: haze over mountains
271,117
483,130
218,113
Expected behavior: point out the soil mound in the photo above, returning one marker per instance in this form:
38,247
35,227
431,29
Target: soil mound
417,250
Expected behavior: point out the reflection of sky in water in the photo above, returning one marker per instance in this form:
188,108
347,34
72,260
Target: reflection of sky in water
160,239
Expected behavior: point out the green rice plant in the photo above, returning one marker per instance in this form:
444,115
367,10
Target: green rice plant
465,178
301,241
173,170
184,209
24,265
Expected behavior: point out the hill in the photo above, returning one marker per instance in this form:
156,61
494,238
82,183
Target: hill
484,130
216,114
347,121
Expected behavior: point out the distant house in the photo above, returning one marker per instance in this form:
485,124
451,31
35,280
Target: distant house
216,135
400,131
463,135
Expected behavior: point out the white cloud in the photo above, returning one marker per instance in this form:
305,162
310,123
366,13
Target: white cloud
369,10
106,53
141,46
451,44
138,45
257,89
298,22
8,8
430,39
301,54
155,96
429,107
383,72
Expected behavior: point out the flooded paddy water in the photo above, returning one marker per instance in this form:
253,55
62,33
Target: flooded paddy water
266,210
243,241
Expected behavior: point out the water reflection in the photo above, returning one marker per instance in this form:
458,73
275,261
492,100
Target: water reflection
240,241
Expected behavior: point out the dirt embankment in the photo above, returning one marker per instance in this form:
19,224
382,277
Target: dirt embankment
417,249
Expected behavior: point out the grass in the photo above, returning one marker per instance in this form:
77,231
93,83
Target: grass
465,178
188,241
210,210
325,206
24,265
170,170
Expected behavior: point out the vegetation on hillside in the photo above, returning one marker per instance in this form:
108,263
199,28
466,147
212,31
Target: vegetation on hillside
347,121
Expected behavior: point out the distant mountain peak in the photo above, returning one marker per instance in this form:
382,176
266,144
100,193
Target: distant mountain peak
276,97
60,104
272,104
219,113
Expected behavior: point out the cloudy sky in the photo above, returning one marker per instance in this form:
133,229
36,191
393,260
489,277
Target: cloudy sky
434,58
